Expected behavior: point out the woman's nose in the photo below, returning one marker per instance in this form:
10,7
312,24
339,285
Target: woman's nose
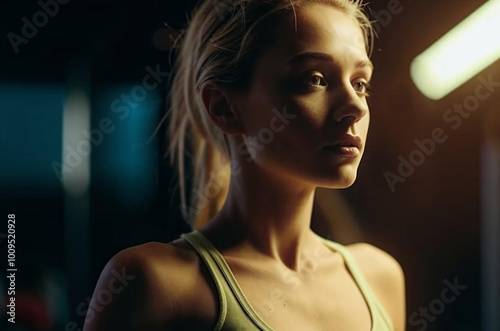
350,106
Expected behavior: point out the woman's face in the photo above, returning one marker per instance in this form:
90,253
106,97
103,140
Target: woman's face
297,105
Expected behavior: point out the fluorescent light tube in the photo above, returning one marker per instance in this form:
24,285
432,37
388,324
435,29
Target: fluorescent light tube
461,53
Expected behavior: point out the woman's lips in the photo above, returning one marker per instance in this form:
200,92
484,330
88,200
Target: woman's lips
351,152
347,140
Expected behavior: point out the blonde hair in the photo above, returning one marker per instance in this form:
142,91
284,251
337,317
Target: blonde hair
220,44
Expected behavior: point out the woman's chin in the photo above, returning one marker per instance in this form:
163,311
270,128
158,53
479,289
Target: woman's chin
339,180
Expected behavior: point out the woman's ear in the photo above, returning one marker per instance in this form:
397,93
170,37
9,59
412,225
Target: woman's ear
220,108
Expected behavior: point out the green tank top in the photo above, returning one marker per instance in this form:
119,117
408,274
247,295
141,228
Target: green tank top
236,312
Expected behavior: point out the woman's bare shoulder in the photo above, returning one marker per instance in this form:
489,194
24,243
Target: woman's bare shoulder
151,286
374,260
386,278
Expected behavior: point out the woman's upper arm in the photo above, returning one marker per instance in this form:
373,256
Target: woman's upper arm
126,296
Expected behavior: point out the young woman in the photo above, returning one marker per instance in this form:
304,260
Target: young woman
272,96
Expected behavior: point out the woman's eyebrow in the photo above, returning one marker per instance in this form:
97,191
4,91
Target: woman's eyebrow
325,57
364,63
310,55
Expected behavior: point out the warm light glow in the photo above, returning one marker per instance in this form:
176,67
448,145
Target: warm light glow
461,53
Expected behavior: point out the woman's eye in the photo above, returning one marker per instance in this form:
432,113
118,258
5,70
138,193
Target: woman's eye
316,80
362,87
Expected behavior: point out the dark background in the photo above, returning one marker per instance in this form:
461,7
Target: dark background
430,223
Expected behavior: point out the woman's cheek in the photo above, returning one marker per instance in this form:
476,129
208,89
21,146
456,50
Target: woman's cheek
311,112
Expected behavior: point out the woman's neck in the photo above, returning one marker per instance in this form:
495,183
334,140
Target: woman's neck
265,214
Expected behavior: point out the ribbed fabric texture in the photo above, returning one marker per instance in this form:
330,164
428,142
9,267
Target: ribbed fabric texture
236,312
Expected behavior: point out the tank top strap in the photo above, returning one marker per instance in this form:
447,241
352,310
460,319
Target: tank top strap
194,239
380,320
236,313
